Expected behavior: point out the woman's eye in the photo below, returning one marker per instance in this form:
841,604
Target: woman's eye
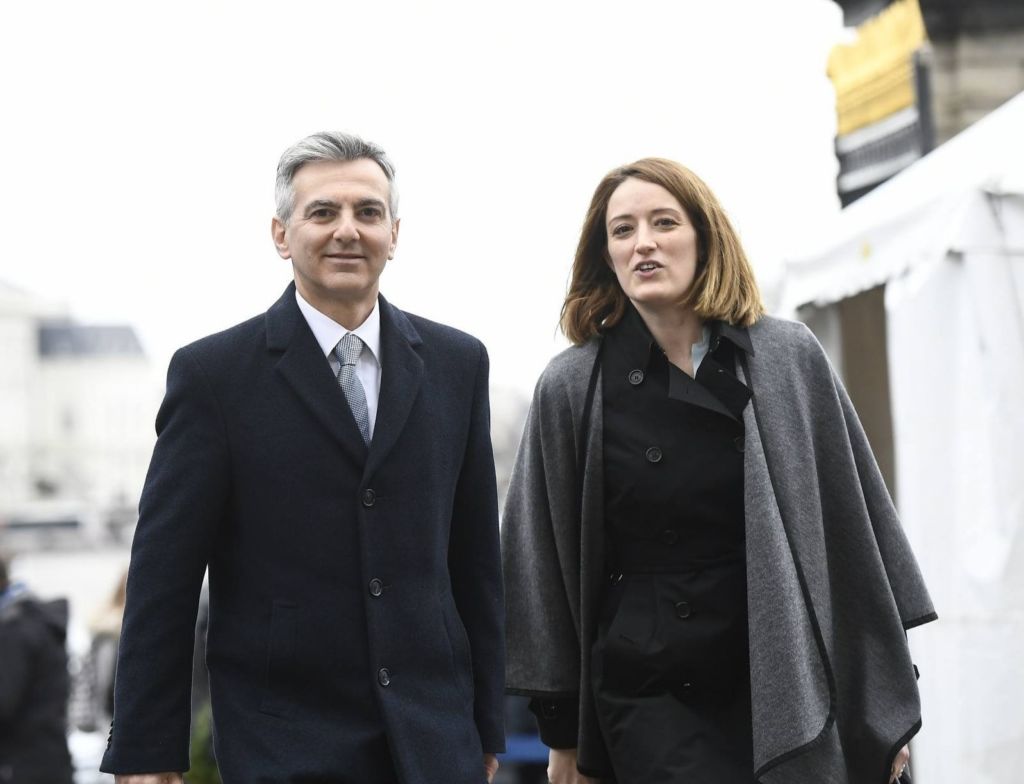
621,230
666,222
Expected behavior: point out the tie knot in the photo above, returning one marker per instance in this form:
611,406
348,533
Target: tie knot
348,349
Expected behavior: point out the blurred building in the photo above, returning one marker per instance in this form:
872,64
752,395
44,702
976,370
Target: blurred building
76,409
977,59
914,74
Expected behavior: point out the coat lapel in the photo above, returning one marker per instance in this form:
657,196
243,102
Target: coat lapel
304,367
401,378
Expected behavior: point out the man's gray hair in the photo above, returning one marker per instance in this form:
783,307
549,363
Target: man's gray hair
327,146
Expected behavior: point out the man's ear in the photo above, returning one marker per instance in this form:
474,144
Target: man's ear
279,233
394,237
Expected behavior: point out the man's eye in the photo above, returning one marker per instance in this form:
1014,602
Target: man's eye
370,212
320,214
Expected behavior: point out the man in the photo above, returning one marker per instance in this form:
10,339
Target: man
34,686
330,461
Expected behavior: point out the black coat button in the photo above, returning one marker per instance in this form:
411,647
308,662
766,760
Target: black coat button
740,442
384,676
653,454
376,587
636,377
668,536
369,498
685,690
683,610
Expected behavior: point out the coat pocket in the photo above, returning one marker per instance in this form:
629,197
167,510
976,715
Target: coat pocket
623,643
633,615
458,644
280,658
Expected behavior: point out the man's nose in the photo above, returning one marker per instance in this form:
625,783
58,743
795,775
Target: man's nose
346,229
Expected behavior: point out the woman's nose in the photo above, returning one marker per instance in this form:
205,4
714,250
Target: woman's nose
644,240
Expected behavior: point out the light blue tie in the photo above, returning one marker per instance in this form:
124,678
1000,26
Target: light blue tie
347,351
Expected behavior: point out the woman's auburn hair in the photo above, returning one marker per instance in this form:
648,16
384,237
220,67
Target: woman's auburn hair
724,288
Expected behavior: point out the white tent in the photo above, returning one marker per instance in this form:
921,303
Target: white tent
942,247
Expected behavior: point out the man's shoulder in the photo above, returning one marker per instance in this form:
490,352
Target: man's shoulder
229,342
436,333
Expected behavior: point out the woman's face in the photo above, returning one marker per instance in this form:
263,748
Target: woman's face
651,244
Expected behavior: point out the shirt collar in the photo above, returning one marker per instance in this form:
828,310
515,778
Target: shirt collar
328,332
640,343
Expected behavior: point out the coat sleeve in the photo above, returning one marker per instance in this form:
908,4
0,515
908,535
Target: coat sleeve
182,504
474,562
540,548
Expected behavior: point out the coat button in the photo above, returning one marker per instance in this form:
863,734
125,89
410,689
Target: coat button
685,690
369,498
683,610
376,587
636,377
668,536
740,443
384,676
653,454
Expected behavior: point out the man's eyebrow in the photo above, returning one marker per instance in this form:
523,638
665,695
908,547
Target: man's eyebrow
370,203
318,204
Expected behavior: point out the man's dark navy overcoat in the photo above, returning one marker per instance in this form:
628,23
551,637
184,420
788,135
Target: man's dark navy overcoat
355,593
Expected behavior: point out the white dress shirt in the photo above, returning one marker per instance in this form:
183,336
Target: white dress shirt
328,332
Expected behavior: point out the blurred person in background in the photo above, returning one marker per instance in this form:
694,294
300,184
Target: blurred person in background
34,686
705,576
105,628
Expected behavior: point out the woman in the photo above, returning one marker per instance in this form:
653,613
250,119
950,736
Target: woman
706,580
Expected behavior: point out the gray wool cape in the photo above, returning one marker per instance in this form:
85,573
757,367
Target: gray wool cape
832,585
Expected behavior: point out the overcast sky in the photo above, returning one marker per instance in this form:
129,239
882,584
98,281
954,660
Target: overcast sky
140,142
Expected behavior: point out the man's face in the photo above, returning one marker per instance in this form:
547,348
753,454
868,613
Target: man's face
340,234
